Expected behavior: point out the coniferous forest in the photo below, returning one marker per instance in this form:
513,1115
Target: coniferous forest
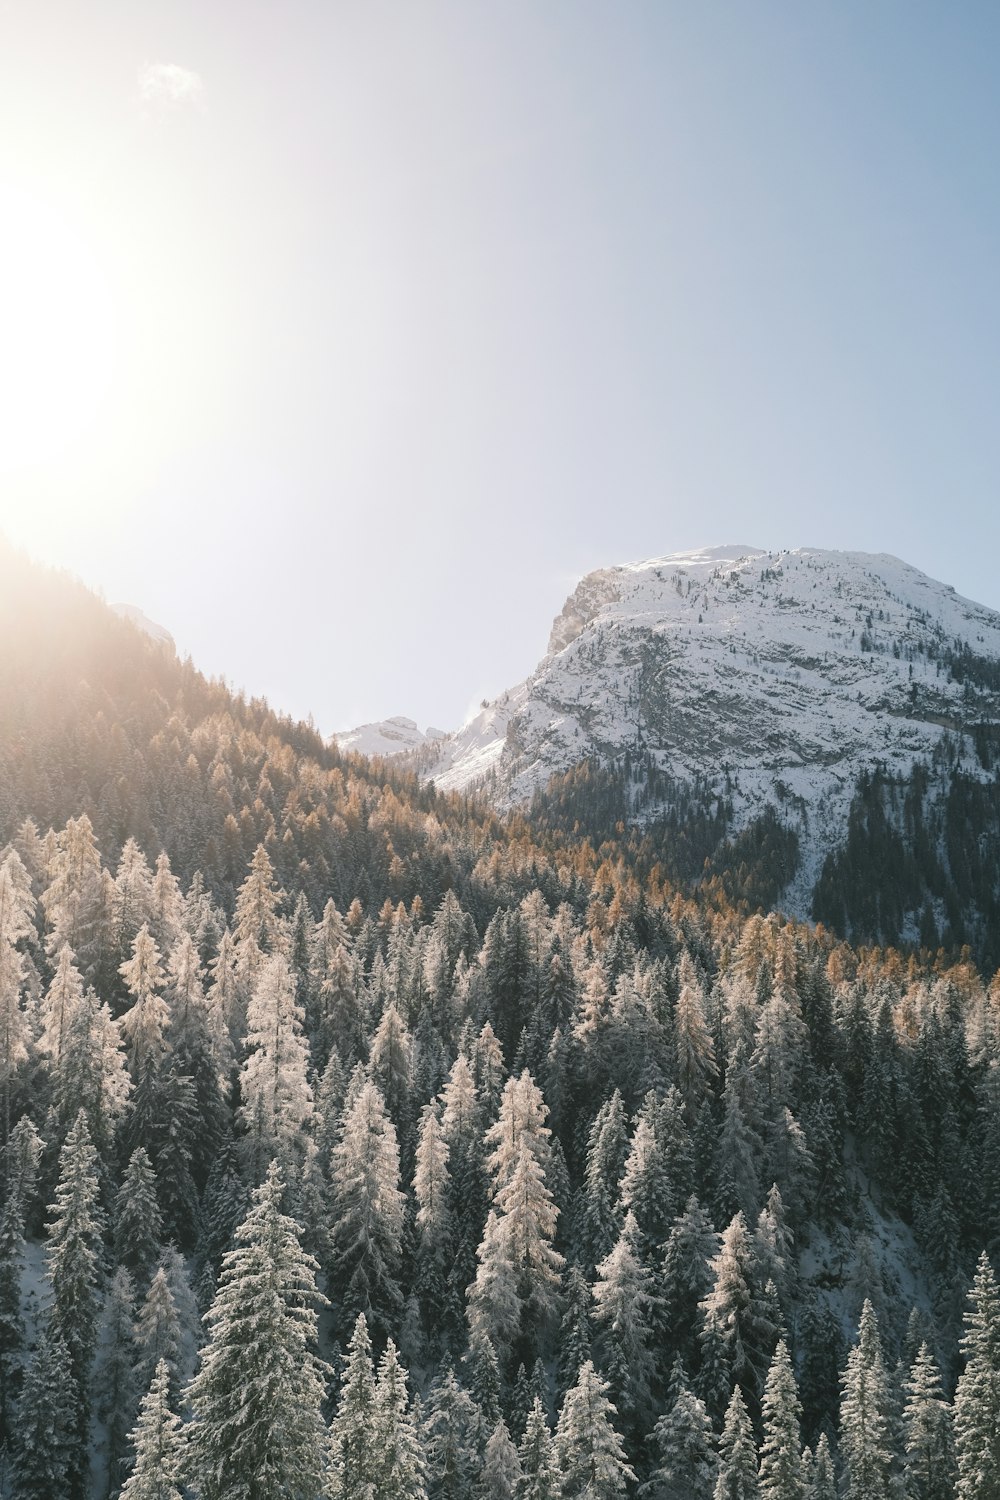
359,1142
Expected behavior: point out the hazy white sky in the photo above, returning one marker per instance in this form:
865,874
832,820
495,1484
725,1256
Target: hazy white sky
341,337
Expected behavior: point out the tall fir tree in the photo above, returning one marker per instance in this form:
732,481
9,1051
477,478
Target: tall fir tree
256,1401
589,1448
737,1478
864,1415
977,1397
158,1439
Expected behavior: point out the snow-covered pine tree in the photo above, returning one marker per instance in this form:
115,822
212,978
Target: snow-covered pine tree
400,1461
823,1477
432,1190
11,1320
257,1428
737,1313
929,1447
780,1452
46,1442
737,1477
73,1254
158,1439
448,1435
864,1425
353,1442
277,1101
625,1303
137,1225
158,1334
977,1397
115,1383
539,1471
590,1452
686,1464
501,1471
144,1025
513,1299
367,1222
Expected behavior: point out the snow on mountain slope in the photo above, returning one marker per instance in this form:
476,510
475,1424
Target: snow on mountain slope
388,737
779,677
142,622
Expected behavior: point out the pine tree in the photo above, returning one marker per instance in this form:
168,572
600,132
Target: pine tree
354,1449
737,1479
46,1446
501,1472
780,1455
367,1222
977,1398
539,1472
574,1329
116,1385
73,1259
137,1225
591,1454
736,1312
448,1439
607,1151
256,1400
823,1480
864,1426
277,1101
927,1425
514,1296
158,1335
400,1462
695,1051
432,1190
686,1465
144,1026
11,1320
158,1439
625,1299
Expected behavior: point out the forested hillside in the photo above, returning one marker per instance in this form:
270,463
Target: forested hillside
359,1142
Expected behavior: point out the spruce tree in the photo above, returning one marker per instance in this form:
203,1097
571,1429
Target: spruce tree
780,1455
590,1452
367,1221
400,1461
74,1237
449,1439
864,1425
625,1299
737,1479
257,1429
11,1320
539,1473
116,1385
137,1224
158,1439
977,1397
929,1450
685,1466
501,1471
353,1444
46,1445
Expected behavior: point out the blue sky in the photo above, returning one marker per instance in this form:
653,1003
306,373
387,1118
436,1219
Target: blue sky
369,327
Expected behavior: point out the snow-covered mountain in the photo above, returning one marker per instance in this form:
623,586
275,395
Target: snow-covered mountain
387,737
779,677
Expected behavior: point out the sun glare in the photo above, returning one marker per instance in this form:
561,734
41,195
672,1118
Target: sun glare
58,333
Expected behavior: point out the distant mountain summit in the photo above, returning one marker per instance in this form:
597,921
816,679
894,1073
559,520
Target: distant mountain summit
387,737
772,681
